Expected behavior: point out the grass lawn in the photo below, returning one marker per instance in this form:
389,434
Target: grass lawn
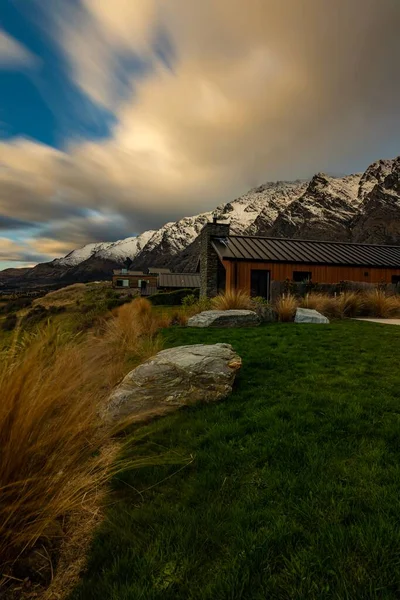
293,489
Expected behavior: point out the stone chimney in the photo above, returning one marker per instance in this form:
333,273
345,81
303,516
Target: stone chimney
210,266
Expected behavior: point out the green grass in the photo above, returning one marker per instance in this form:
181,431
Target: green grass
293,486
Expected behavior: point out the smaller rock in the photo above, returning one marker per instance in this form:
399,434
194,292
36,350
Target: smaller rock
225,318
308,315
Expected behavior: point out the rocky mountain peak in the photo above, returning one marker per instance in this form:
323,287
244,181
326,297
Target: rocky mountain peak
360,208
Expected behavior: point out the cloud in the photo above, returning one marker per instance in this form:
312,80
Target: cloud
13,54
12,251
257,90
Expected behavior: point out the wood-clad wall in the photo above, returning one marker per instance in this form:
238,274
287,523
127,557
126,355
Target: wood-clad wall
134,280
320,273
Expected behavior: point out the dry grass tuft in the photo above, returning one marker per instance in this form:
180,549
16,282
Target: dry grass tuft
378,304
324,304
349,304
129,338
49,431
51,437
232,299
286,307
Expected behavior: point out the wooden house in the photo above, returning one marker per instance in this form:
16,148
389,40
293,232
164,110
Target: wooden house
251,263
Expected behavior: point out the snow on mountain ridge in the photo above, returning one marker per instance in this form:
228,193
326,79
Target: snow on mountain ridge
261,205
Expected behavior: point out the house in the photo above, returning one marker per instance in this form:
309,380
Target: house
134,281
176,281
158,280
251,263
157,270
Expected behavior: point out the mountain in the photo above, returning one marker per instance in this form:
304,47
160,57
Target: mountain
364,207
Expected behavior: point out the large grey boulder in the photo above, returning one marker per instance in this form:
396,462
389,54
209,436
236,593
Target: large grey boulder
308,315
225,318
173,378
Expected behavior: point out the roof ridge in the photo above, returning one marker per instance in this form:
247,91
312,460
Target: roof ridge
264,237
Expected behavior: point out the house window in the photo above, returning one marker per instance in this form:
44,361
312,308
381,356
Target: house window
122,283
396,279
124,271
300,276
366,273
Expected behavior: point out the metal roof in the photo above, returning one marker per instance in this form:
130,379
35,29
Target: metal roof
127,272
252,248
157,270
179,280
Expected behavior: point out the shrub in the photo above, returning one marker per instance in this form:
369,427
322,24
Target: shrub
115,302
9,322
171,298
34,316
189,300
232,299
264,309
260,300
378,304
286,307
16,305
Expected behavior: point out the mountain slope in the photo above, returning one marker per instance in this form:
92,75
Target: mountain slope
362,207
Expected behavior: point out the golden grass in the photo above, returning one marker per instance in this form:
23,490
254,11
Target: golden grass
349,304
286,307
324,304
49,430
69,295
378,304
129,338
232,299
51,435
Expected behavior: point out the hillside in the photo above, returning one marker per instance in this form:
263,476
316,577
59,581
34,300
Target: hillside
363,207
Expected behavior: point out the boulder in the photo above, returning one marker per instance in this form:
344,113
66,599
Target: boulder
308,315
175,377
225,318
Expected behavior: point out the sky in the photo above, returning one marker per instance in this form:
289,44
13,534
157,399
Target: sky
116,117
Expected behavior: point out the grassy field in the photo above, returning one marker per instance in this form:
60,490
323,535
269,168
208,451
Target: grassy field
291,488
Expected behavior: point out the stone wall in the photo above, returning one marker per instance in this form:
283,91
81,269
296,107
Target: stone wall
209,262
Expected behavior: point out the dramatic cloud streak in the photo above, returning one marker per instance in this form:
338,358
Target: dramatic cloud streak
257,90
13,54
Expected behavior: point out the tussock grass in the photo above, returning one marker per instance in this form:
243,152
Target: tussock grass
286,307
324,304
49,432
51,436
232,299
349,304
130,337
378,304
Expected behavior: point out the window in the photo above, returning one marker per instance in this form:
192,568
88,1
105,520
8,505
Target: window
122,283
366,273
124,271
396,279
300,276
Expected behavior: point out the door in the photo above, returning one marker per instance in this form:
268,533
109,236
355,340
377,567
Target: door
260,283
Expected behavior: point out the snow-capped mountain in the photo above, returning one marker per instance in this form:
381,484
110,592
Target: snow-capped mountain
364,207
117,251
265,203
